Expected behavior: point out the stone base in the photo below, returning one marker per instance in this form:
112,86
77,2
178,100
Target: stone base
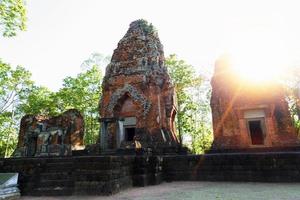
105,175
257,149
253,167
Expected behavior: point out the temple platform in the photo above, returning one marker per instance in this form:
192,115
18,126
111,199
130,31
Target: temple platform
106,175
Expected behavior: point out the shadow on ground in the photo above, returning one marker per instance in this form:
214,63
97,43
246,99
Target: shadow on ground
198,191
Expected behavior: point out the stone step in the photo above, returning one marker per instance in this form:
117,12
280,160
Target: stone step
60,164
60,160
50,191
140,180
59,167
55,176
97,187
109,152
98,166
155,179
102,176
55,183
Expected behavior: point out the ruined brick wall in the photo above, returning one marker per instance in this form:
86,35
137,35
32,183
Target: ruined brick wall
37,130
232,97
241,167
137,83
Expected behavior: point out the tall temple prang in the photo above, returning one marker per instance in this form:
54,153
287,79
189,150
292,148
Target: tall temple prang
138,105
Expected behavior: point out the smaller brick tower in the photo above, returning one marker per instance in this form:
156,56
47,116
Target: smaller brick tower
247,114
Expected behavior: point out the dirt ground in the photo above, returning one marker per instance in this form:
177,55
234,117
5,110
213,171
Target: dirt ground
199,191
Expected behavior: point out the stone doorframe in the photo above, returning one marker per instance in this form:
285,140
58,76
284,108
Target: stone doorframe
267,121
104,133
262,121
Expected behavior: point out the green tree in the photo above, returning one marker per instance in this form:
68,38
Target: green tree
183,77
13,83
40,100
292,86
83,93
202,136
8,134
12,17
14,86
192,122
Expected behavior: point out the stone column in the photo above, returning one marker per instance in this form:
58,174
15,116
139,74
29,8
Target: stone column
120,133
103,136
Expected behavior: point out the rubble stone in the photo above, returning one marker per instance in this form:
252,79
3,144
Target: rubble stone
43,135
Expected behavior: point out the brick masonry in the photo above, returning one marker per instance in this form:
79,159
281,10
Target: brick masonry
137,84
106,175
82,175
233,98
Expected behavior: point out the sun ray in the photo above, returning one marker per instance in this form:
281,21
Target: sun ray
258,56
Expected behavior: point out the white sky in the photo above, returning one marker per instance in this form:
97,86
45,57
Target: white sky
61,34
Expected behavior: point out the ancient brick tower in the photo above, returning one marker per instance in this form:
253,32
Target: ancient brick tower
138,100
248,115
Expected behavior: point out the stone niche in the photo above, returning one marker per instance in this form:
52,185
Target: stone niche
50,136
138,105
247,114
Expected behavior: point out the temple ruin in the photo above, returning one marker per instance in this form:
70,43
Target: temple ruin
50,136
137,144
138,105
248,114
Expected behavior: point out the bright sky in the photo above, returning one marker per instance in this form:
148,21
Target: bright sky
61,34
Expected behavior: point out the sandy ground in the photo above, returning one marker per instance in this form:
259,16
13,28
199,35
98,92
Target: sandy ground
199,191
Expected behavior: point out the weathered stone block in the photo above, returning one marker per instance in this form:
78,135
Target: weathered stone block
50,136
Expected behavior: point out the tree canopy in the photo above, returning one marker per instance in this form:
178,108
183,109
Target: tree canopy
19,96
14,87
193,116
12,17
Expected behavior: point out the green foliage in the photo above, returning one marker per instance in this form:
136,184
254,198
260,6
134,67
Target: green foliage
147,28
40,100
8,134
83,93
202,139
12,17
19,96
192,103
292,86
14,85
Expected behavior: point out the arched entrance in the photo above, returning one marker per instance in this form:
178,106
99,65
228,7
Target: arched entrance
128,110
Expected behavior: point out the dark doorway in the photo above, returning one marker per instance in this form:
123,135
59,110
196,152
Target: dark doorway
256,132
129,134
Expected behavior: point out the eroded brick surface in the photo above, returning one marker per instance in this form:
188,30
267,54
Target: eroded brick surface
137,84
43,135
